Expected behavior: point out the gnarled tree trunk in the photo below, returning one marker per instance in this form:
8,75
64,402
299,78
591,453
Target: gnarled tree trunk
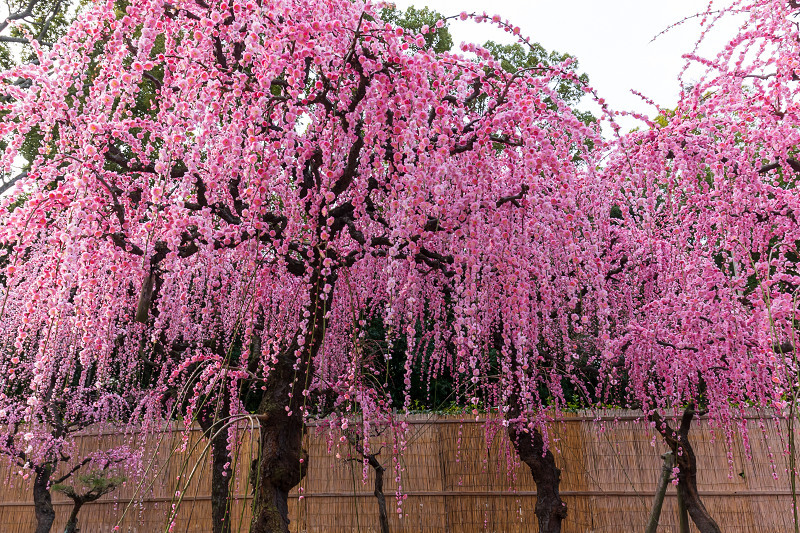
279,467
42,501
72,521
383,516
550,508
282,460
687,463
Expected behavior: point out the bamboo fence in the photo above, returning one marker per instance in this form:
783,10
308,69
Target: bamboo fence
458,474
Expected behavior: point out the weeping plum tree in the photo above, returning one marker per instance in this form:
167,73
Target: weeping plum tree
45,402
213,172
707,239
231,170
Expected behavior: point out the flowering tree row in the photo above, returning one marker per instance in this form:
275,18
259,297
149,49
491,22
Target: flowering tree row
226,192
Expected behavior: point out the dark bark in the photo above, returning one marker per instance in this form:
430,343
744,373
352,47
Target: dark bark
282,460
72,522
213,424
383,517
678,441
372,460
42,500
550,508
279,467
145,298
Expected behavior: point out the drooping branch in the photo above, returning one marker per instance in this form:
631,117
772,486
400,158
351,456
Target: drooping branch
674,347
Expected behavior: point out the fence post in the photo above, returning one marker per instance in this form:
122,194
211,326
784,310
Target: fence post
661,491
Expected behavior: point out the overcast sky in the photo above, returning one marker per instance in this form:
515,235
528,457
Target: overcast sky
611,40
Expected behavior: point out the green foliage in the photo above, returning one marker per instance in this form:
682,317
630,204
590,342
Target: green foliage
516,57
412,20
96,482
30,146
47,22
427,392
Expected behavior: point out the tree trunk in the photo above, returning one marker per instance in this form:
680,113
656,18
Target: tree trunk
372,459
694,505
383,516
72,522
550,508
220,477
687,463
212,423
282,461
43,503
280,467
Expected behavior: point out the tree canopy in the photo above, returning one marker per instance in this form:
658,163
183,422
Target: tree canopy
236,192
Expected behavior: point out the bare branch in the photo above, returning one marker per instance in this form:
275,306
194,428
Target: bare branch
514,197
72,470
26,12
674,347
793,163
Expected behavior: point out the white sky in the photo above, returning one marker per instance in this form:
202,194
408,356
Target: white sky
611,40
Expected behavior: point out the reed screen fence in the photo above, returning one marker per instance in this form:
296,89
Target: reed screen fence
457,474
